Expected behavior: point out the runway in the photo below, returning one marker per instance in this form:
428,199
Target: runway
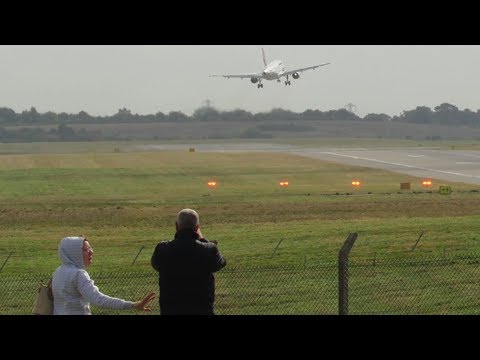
450,165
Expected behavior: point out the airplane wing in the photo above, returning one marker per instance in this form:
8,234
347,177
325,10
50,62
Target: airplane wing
241,76
290,72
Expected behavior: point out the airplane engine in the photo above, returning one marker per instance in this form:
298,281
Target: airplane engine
254,80
296,75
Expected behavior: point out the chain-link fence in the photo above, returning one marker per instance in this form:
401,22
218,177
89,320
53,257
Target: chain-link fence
278,290
434,285
446,285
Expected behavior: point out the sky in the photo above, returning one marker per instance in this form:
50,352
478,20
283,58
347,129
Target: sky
146,79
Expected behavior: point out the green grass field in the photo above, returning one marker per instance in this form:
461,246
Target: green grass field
126,202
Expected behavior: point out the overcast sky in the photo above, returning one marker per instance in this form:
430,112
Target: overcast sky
101,79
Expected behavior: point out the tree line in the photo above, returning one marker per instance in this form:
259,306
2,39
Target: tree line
445,113
22,125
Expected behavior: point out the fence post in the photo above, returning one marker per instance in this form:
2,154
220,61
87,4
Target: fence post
8,257
414,246
343,273
138,254
276,247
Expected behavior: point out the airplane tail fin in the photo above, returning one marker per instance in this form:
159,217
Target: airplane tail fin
264,60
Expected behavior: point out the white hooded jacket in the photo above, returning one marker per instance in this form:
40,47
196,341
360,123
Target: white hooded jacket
73,290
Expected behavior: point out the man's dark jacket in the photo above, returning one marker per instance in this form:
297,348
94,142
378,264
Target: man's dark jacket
186,265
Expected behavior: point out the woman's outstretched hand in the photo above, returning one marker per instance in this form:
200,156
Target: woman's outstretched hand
142,304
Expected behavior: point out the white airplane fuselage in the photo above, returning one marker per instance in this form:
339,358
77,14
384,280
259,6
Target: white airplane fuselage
274,70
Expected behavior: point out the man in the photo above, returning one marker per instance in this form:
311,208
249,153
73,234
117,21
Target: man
186,265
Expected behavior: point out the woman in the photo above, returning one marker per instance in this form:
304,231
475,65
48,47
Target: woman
73,290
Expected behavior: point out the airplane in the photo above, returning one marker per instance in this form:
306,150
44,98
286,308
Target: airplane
273,71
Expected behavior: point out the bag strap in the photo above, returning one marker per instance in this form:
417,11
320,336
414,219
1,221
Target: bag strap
50,291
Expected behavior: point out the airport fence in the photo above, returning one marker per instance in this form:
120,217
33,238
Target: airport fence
436,285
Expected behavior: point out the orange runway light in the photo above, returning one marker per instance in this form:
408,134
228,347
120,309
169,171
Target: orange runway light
355,183
283,183
427,182
212,184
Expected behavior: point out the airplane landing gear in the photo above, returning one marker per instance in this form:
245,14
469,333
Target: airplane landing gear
260,85
288,82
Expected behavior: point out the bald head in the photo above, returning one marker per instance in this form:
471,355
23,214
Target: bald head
187,219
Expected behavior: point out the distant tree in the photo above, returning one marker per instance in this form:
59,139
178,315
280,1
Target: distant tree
159,116
206,113
177,116
63,117
83,116
447,114
377,117
147,118
445,107
7,115
124,111
470,118
341,114
314,115
49,117
123,115
237,115
280,114
421,115
30,117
